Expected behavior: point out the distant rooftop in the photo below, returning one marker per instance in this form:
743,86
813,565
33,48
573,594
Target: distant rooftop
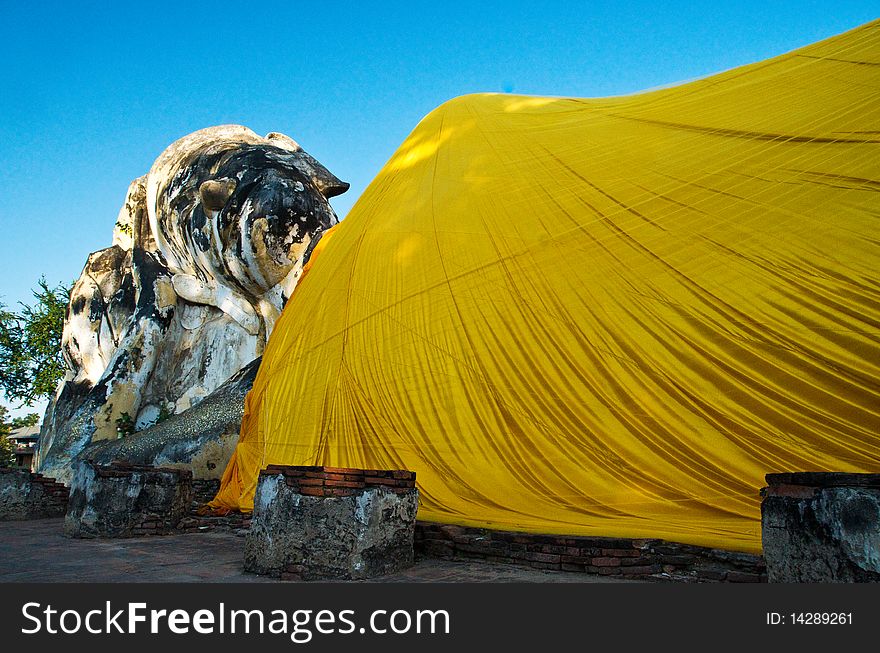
25,433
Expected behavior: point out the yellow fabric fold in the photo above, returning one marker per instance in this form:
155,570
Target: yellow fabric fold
600,316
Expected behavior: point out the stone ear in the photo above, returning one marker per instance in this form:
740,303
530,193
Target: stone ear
214,193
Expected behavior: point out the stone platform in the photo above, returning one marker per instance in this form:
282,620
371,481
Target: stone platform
123,500
331,523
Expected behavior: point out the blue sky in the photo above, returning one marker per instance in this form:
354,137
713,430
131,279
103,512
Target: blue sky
93,92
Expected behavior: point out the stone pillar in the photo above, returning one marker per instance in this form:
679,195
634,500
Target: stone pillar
820,527
25,495
313,523
122,500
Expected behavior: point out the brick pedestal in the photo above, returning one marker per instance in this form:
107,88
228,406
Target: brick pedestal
820,527
121,500
24,495
314,523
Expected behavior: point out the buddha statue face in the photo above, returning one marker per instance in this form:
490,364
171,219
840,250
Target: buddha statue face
237,210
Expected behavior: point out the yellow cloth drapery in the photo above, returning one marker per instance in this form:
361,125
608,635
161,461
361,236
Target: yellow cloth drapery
600,316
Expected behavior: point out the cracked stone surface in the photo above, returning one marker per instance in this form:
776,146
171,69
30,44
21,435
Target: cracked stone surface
353,537
23,496
814,534
108,503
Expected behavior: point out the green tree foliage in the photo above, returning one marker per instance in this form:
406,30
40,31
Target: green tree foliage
7,448
7,426
30,345
31,419
7,452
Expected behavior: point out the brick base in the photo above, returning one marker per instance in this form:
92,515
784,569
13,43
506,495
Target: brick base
204,490
631,558
234,522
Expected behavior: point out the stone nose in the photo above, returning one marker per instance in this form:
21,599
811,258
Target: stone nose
333,188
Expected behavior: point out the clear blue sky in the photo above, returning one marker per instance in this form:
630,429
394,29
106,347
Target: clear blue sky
93,92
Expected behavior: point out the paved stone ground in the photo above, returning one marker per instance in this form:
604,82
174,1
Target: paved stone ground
37,551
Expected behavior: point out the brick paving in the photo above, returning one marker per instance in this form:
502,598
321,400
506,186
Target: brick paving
37,551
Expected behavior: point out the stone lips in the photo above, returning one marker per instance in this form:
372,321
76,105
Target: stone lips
207,248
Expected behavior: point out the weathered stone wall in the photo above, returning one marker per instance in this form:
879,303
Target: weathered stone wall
820,527
331,523
204,490
124,500
234,522
201,520
606,556
25,495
